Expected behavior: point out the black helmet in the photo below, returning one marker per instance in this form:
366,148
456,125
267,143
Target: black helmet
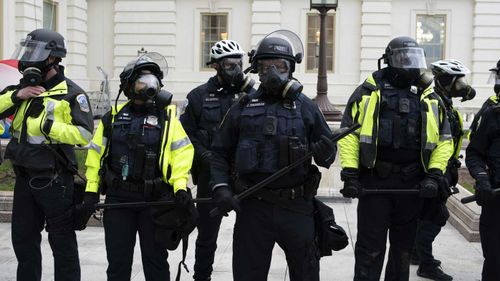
404,52
39,45
154,62
495,78
283,44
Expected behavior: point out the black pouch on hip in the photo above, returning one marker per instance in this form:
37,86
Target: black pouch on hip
312,183
330,235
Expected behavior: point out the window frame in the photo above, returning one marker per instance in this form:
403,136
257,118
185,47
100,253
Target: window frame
334,34
202,67
55,7
447,19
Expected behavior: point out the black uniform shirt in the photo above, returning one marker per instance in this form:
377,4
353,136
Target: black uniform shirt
484,147
226,139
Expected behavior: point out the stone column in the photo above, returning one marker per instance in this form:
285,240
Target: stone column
149,24
375,33
486,41
266,17
76,42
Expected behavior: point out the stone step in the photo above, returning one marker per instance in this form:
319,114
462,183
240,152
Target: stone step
5,203
464,217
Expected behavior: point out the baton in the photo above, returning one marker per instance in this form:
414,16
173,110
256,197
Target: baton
390,191
472,197
283,171
102,206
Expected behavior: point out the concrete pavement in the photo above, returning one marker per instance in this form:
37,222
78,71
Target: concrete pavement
461,259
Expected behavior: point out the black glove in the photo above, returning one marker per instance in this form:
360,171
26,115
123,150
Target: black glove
429,186
206,158
182,198
324,151
225,201
483,190
352,186
85,210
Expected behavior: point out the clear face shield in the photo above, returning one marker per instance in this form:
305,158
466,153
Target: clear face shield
408,58
31,51
494,77
147,85
292,39
152,57
495,80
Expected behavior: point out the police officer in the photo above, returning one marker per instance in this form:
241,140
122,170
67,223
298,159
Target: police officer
139,152
404,143
52,114
450,82
206,105
264,132
483,161
491,102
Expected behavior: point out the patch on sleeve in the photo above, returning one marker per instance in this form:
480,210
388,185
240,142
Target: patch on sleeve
83,103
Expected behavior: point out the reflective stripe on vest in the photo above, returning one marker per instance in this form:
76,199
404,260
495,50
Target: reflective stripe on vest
369,128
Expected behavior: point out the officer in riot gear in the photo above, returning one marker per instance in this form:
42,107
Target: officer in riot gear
206,106
483,161
51,115
263,132
492,101
450,82
140,152
403,143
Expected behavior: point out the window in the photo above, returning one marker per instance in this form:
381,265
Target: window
49,14
431,35
213,29
313,32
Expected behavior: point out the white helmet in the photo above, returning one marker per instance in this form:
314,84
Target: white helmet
449,67
225,48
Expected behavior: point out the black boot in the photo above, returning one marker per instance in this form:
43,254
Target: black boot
433,272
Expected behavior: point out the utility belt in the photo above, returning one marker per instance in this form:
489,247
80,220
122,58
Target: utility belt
306,190
281,193
147,187
407,172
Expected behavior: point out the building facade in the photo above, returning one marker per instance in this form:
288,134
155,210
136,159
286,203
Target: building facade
109,33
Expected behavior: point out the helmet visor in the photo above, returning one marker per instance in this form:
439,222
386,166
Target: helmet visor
152,57
31,51
147,84
494,77
292,38
408,58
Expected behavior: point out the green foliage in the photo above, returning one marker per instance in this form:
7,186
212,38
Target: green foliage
7,176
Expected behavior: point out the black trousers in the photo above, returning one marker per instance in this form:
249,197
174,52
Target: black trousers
208,230
489,229
44,198
379,215
427,231
258,227
120,229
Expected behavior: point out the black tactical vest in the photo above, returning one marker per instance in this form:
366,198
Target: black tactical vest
214,106
135,142
399,122
272,135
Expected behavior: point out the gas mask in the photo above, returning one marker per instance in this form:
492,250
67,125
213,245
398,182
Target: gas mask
403,77
232,75
455,86
34,72
145,87
275,78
